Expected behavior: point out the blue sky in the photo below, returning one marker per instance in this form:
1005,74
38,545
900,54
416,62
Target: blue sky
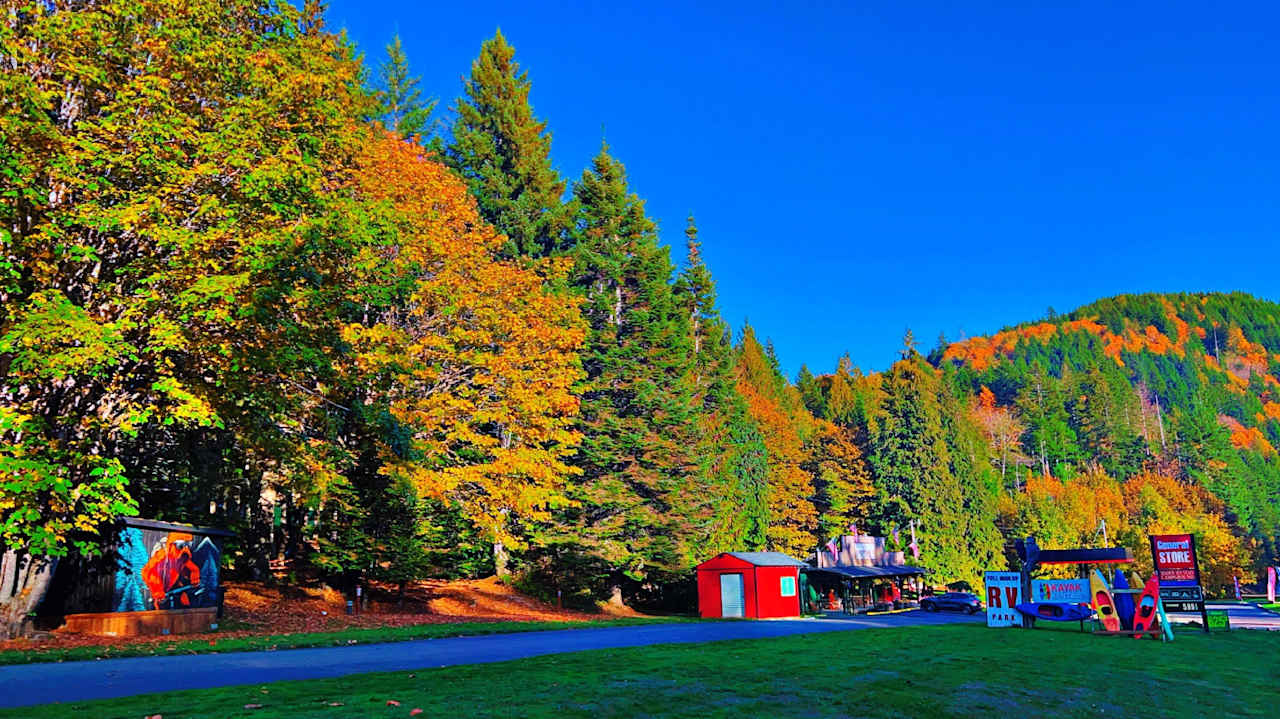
860,168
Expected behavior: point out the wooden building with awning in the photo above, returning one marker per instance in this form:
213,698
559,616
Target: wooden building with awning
855,585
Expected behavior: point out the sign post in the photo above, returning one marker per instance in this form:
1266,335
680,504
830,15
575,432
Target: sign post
1178,572
1004,592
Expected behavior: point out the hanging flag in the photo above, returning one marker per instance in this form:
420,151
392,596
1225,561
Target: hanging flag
835,554
895,534
1237,581
853,529
915,548
1271,585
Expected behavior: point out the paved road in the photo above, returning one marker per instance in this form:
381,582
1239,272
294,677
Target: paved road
29,684
1243,616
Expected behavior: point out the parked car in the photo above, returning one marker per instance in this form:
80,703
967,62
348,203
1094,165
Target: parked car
960,601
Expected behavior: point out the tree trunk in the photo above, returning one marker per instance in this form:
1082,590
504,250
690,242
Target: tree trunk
501,559
23,583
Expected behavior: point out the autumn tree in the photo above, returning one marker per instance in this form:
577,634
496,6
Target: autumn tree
843,490
475,360
785,426
504,153
166,269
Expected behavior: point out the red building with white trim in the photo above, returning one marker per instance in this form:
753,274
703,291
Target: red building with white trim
759,585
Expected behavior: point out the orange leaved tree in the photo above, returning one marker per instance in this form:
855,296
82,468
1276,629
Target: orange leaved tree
475,356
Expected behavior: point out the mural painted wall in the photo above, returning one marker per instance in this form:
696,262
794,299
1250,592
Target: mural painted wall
165,569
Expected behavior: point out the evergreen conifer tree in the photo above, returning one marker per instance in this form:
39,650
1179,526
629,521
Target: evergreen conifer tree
504,153
811,392
638,407
914,470
400,105
731,455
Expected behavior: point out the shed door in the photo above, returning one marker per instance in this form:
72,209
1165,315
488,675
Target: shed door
730,595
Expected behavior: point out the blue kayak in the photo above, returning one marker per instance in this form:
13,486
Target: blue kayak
1055,611
1124,602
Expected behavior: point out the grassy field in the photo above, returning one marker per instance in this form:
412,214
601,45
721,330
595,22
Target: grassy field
952,670
211,643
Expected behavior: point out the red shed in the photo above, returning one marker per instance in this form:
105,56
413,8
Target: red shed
749,584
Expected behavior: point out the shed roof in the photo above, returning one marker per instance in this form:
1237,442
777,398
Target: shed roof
768,559
883,570
755,559
172,527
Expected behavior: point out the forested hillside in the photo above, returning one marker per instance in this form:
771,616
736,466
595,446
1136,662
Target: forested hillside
247,282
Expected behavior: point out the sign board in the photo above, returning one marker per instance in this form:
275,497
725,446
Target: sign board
1073,591
1004,592
1174,556
1219,620
1181,594
1175,560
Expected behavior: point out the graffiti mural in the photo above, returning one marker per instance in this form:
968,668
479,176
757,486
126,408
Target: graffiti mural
165,569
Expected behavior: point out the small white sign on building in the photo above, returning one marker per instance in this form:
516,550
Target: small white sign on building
1004,592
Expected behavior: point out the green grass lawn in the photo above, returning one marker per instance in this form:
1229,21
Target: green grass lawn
951,670
210,643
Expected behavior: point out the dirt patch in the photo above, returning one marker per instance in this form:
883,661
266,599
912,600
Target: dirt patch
256,609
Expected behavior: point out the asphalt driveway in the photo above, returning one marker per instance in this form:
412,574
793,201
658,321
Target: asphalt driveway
29,684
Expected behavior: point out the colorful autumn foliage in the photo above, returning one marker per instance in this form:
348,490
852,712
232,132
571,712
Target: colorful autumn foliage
477,361
228,295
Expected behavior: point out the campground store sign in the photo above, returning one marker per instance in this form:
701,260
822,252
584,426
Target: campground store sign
1175,560
1004,593
1174,557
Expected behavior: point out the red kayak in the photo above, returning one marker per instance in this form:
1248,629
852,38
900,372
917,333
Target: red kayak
1145,615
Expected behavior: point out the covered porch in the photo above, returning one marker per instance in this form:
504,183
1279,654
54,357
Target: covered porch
847,589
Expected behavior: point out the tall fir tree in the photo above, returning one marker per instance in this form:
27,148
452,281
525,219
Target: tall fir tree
638,405
504,153
914,470
811,392
401,107
729,499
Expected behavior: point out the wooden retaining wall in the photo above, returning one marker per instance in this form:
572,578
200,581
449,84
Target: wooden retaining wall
129,624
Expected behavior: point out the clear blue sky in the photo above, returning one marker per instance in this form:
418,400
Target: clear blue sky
951,167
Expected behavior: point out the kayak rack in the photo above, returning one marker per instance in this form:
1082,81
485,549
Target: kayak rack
1163,629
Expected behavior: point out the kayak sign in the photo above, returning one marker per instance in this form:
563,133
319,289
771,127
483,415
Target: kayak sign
1004,594
1175,560
1071,591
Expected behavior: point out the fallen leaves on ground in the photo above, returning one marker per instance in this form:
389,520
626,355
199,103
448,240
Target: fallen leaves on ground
265,610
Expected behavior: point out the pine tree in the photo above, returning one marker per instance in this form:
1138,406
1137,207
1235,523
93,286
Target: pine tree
504,154
730,452
811,392
915,472
638,406
400,105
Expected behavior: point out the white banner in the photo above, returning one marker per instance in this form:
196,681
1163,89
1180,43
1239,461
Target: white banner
1004,592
